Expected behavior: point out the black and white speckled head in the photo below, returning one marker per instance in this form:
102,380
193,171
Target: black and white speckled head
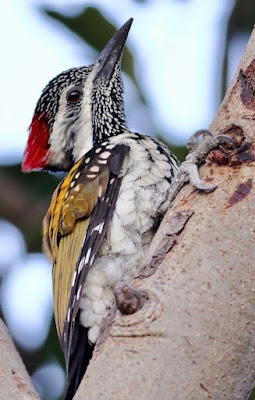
78,109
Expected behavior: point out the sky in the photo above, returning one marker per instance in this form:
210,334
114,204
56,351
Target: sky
175,47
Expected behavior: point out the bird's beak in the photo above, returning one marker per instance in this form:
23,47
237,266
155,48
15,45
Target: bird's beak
111,54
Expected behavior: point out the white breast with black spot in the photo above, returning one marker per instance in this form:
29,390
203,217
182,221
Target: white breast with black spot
143,197
143,194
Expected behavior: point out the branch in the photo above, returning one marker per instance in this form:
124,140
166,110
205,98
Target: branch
15,383
194,336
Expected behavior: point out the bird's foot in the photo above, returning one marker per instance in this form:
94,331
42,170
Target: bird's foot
198,151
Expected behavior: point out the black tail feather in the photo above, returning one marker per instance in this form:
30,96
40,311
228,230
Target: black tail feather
81,354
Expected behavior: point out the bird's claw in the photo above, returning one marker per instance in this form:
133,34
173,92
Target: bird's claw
198,152
190,170
226,140
194,141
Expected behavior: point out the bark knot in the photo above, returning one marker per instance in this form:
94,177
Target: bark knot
141,322
128,299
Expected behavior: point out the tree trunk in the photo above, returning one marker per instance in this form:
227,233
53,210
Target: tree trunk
194,337
15,383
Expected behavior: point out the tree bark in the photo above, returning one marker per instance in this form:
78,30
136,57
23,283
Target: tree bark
194,337
15,383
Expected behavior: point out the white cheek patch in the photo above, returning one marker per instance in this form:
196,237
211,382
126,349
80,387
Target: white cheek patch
84,138
58,136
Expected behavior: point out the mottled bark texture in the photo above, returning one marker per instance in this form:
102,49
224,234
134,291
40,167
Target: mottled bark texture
15,383
194,336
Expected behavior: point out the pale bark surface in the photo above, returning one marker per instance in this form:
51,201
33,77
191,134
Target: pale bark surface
195,336
15,383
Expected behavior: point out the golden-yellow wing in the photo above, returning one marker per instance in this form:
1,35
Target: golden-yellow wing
74,227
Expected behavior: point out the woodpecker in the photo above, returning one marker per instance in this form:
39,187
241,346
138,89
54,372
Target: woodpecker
105,212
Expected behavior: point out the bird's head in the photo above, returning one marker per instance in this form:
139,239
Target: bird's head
78,109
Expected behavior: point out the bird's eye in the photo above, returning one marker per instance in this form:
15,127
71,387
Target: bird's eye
74,96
